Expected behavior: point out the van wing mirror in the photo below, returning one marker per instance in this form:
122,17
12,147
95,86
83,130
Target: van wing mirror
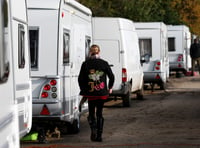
145,58
111,65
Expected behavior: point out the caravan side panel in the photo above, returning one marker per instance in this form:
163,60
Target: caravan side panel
21,65
9,129
60,37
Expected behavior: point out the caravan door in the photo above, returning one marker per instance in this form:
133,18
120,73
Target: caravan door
67,65
76,45
21,66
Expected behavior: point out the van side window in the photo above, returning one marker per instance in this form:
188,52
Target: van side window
87,46
21,46
4,61
66,46
34,43
185,42
145,47
171,44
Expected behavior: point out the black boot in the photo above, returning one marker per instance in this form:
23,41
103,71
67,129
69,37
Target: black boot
100,121
92,123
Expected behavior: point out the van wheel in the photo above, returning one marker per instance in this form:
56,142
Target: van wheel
140,94
127,100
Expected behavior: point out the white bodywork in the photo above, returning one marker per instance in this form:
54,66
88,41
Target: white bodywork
21,65
15,84
60,36
118,41
179,41
153,41
9,126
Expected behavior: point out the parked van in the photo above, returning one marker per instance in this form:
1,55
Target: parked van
15,84
179,41
153,43
118,41
60,36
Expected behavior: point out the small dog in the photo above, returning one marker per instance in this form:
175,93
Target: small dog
55,133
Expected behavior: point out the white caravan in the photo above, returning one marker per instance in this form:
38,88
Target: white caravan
179,41
21,64
60,36
15,83
118,41
153,42
9,129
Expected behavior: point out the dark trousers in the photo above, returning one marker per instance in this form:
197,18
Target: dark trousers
96,123
194,61
95,105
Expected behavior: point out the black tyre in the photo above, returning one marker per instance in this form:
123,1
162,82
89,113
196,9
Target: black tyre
42,136
140,94
75,127
64,128
163,86
127,100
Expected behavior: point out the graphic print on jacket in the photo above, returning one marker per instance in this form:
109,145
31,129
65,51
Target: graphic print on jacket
95,80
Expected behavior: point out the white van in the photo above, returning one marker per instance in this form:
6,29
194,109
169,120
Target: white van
153,42
60,36
179,41
15,84
118,41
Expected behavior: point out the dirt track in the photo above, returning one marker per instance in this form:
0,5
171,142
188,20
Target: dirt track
166,119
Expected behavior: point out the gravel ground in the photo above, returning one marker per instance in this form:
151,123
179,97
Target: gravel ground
164,119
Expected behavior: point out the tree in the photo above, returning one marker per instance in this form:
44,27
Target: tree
189,13
173,12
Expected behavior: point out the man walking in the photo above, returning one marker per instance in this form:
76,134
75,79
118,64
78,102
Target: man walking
195,55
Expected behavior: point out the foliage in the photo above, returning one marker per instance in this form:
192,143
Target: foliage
168,11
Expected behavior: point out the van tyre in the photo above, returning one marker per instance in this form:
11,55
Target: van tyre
140,94
127,100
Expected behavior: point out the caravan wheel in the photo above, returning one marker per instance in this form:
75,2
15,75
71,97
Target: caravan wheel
75,126
163,86
64,129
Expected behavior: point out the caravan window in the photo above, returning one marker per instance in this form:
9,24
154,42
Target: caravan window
171,44
21,46
145,47
87,46
4,61
34,43
66,46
